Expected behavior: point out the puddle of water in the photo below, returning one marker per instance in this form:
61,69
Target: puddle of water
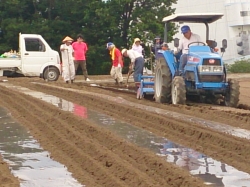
27,160
210,170
234,131
238,132
200,165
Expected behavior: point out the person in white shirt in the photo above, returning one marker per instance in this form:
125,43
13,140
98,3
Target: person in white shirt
137,46
67,60
188,38
137,60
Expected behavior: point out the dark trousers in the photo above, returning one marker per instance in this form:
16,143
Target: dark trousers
139,65
82,63
183,62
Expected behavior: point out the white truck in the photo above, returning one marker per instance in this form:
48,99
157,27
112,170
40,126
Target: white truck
36,58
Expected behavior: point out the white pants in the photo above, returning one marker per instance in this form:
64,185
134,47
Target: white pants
116,73
68,71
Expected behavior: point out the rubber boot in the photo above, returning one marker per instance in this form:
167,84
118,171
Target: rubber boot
137,85
116,82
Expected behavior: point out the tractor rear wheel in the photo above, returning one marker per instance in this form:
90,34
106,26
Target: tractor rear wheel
233,93
178,91
162,82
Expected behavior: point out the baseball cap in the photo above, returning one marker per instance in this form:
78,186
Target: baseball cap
109,44
185,29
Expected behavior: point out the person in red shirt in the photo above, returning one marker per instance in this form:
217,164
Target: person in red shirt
80,48
117,63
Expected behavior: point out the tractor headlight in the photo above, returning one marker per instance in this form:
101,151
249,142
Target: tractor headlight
217,68
205,68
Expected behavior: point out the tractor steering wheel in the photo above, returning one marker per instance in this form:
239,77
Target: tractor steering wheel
197,43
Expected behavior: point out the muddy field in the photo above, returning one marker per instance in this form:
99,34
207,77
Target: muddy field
99,157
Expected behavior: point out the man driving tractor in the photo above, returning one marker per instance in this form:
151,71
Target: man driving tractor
188,37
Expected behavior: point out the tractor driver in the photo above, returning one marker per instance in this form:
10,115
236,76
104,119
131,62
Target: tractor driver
188,38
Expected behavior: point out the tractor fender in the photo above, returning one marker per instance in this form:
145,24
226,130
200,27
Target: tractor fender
169,57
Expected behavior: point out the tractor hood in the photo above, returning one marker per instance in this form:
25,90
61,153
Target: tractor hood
205,55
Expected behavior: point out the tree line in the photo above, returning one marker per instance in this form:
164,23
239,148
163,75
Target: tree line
100,21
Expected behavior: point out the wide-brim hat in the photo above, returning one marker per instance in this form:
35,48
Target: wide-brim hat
123,51
137,40
67,39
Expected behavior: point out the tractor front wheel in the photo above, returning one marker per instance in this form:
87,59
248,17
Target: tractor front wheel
178,91
231,98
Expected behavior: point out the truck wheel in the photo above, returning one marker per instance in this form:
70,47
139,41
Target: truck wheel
178,91
231,98
162,82
51,74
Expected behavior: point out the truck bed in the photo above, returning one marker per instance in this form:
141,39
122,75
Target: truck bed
10,62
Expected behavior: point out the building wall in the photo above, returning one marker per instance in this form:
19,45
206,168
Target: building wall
234,25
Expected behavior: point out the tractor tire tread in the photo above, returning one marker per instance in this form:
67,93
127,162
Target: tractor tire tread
181,94
165,95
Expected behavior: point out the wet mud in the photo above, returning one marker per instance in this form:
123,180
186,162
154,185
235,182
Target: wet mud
94,155
230,150
197,163
27,160
7,179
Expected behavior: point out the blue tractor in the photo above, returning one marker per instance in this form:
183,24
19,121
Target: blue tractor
204,75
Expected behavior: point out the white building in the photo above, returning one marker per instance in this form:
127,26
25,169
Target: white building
234,26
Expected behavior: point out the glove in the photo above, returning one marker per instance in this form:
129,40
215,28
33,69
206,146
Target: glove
119,65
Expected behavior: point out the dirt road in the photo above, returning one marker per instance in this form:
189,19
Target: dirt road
98,157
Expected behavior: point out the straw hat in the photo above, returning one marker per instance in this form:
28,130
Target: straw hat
137,40
67,38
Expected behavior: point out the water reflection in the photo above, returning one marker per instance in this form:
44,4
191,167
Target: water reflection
27,160
200,165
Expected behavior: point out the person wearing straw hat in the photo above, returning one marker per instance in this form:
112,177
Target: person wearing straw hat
67,60
137,46
117,63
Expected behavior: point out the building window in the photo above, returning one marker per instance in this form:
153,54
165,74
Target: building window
244,13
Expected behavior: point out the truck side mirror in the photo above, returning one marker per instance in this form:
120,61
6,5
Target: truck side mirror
176,42
224,43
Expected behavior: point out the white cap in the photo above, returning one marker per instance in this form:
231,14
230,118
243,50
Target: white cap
123,51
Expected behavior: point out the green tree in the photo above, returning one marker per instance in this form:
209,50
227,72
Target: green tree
99,21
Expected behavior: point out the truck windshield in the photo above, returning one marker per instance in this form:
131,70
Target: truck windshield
34,44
